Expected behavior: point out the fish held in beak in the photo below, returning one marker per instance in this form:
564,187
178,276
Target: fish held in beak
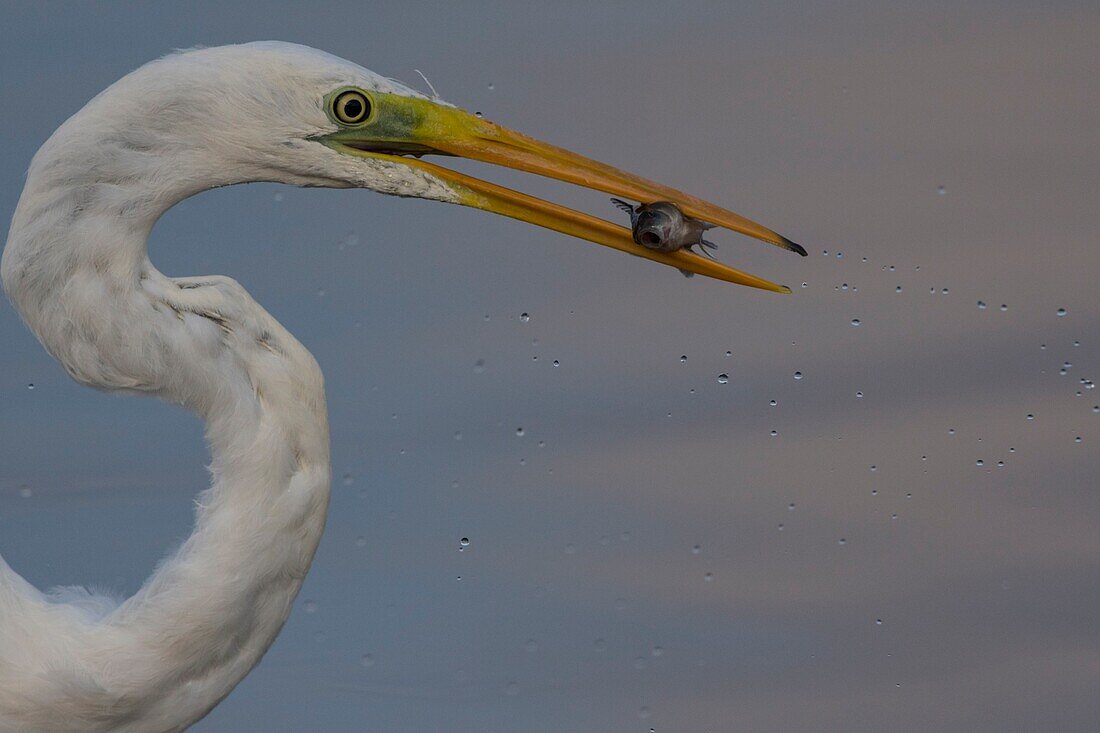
664,227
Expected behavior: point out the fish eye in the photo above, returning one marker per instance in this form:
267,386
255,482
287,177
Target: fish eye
351,107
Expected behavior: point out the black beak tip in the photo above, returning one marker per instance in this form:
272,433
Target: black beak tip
794,247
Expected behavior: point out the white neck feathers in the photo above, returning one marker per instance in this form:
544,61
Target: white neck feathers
76,268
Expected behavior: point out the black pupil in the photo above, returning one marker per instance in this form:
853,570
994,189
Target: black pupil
353,108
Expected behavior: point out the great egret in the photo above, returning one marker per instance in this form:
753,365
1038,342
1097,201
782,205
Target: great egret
76,268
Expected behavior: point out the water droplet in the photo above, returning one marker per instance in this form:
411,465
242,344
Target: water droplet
1030,416
30,386
729,354
723,378
773,403
479,366
708,577
1004,307
779,526
478,115
897,289
1061,312
941,190
874,468
842,541
519,432
798,375
556,362
790,507
524,317
492,86
26,492
859,395
1077,439
981,305
774,433
979,463
463,543
657,651
683,358
878,622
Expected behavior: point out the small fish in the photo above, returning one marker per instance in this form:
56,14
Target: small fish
664,227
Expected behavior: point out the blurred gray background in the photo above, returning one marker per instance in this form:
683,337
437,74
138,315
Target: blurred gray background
893,545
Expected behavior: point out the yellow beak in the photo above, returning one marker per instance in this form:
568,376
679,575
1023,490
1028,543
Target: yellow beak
400,126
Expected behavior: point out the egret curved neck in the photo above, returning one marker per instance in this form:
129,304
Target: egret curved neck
75,266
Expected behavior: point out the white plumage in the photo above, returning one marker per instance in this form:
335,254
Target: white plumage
76,267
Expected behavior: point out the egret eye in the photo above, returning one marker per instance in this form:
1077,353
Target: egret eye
351,107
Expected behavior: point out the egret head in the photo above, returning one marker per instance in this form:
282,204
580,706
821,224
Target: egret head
281,112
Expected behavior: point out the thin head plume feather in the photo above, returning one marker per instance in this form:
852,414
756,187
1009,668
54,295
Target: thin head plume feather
435,94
